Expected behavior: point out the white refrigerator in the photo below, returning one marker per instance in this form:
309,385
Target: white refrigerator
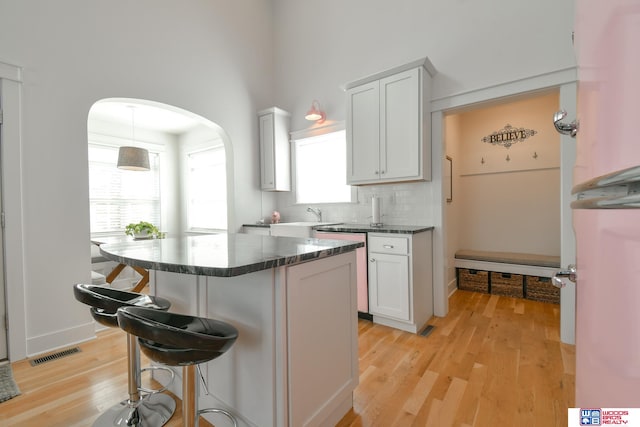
606,217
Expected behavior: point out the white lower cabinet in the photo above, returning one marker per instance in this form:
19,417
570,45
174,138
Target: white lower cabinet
400,279
389,284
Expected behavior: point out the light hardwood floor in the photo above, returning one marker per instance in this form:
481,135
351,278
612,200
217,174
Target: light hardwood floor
493,361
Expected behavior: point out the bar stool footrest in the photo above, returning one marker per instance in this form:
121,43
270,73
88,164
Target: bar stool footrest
158,368
219,411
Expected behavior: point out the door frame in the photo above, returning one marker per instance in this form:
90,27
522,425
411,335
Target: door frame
565,80
12,200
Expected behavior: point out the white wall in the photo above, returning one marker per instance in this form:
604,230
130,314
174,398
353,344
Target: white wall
214,58
472,45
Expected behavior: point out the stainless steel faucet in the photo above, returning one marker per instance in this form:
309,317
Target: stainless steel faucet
317,212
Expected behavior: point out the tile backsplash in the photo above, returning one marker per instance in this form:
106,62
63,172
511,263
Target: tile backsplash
400,204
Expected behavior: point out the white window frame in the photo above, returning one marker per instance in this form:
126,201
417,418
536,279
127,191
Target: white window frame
113,142
212,145
308,134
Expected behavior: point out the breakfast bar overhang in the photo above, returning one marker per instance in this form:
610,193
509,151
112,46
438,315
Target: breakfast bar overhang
293,301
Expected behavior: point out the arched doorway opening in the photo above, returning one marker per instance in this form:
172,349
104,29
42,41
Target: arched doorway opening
188,187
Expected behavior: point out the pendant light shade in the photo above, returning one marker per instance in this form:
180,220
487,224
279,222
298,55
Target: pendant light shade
133,159
315,114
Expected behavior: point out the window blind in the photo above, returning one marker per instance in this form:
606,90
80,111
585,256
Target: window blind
118,197
207,189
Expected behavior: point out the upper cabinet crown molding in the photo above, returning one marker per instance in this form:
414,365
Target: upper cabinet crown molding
389,125
422,62
275,163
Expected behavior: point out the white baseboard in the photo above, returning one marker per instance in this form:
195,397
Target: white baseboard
60,339
452,286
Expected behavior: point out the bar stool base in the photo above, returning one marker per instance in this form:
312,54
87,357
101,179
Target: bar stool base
153,411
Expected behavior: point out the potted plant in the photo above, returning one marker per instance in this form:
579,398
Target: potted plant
143,230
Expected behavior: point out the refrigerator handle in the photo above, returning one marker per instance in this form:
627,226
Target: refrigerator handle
563,128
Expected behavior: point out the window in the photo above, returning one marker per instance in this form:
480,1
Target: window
207,189
321,169
118,197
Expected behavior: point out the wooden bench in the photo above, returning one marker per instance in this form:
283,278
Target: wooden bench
518,275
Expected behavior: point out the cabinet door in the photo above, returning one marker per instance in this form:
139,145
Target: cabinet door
275,174
400,126
363,133
389,286
267,152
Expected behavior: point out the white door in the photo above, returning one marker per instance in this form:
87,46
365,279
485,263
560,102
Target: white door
608,240
389,285
363,133
267,152
400,125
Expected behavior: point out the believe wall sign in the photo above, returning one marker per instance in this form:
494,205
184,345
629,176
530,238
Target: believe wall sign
508,135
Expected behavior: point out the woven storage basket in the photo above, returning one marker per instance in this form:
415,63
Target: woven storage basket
473,280
507,284
541,289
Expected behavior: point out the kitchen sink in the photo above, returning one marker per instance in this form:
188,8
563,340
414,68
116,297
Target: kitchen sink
297,229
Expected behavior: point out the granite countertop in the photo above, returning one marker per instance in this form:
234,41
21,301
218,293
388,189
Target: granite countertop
368,228
364,228
257,225
223,255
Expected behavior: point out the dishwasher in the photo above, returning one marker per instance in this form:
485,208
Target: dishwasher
361,267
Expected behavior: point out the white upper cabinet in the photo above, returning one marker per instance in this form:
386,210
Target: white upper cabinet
389,125
275,164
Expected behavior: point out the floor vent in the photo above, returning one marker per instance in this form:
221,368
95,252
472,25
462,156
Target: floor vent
54,356
426,331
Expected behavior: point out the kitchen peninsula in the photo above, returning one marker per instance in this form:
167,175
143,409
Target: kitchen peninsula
293,301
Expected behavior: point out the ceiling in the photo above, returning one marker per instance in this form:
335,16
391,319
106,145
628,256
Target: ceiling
144,116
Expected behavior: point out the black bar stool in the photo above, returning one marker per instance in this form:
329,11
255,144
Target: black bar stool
180,340
154,409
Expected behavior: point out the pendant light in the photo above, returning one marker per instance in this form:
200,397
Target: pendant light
130,157
315,114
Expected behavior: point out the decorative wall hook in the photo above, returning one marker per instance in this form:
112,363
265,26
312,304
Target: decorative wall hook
535,154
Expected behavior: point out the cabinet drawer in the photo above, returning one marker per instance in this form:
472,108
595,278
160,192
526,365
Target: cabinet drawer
389,245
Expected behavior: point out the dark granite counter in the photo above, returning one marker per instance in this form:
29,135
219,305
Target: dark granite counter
257,225
368,228
222,255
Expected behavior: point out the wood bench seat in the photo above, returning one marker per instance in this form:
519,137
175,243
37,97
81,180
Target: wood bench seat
510,258
508,273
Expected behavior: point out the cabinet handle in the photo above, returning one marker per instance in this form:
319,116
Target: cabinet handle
376,172
372,260
381,172
387,246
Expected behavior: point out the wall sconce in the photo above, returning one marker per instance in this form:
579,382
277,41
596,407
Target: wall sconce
133,158
315,114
